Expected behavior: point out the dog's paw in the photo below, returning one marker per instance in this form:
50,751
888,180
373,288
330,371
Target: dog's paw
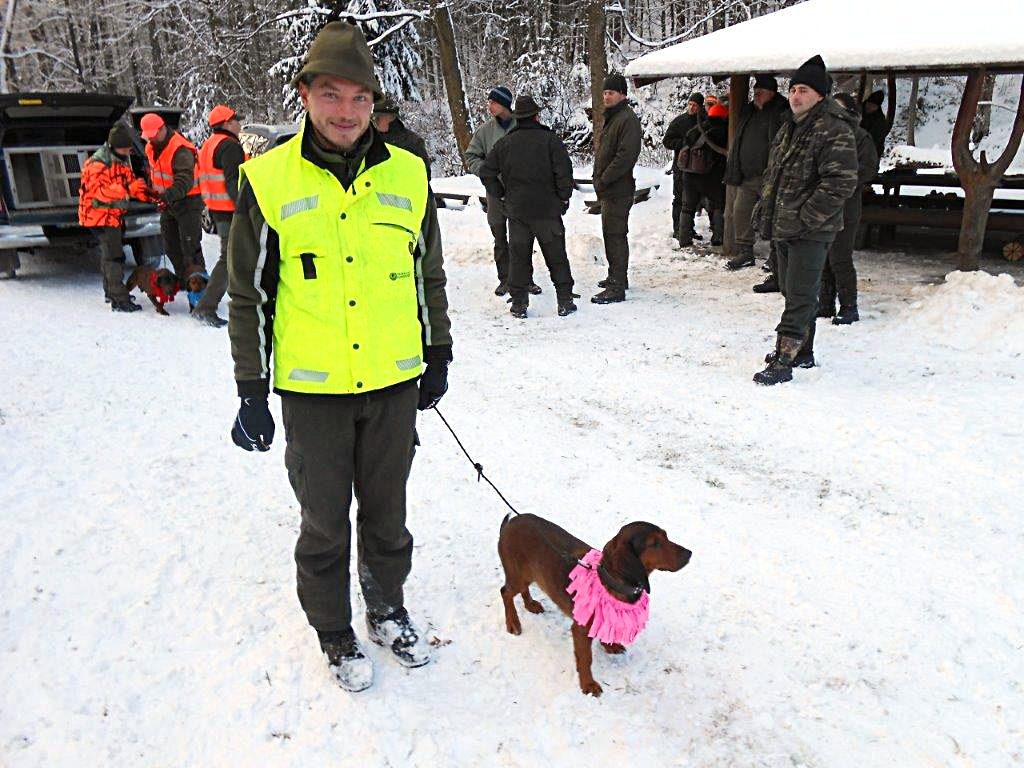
533,606
514,628
613,648
593,688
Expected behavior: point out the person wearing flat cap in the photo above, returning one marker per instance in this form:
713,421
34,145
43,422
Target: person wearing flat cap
337,289
219,160
621,140
812,170
106,186
387,119
529,170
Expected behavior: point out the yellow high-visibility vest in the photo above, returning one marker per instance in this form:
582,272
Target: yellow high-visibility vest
347,310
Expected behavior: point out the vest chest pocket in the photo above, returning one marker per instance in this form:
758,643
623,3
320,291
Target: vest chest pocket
394,244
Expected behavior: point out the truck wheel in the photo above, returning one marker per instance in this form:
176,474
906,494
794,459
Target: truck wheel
9,264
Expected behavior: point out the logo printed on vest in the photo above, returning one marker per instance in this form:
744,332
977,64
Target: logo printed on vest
395,201
399,275
298,206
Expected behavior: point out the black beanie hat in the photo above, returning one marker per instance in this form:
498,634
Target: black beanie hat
614,82
120,136
767,82
876,97
502,95
697,98
812,74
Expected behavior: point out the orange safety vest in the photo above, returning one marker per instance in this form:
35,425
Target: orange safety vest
211,178
161,174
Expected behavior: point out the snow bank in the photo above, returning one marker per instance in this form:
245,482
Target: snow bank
973,310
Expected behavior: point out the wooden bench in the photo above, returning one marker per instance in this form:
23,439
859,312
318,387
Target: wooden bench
594,206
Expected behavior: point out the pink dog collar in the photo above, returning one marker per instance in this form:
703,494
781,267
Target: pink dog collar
611,620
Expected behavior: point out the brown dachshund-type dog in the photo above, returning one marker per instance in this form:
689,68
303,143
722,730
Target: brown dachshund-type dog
159,285
535,550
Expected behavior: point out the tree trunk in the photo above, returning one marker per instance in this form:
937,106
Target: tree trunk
912,112
451,70
598,65
984,121
978,177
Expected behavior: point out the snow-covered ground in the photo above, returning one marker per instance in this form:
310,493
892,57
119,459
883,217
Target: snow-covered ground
854,599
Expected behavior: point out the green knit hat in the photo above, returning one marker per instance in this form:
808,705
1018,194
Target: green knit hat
120,136
340,49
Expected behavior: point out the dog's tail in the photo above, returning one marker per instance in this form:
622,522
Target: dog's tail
505,520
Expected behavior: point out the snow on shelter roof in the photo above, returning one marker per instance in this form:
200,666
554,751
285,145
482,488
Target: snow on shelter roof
869,35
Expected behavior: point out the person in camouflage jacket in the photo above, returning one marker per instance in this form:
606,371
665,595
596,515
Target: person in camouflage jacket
812,170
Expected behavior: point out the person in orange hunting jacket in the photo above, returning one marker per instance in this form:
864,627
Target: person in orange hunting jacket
107,184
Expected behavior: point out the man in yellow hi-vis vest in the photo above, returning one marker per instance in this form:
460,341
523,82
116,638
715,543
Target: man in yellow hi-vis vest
335,270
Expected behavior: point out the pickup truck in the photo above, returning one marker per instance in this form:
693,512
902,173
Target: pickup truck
45,139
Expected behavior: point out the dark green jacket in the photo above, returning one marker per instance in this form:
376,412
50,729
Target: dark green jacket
812,170
748,155
401,136
619,151
254,256
529,168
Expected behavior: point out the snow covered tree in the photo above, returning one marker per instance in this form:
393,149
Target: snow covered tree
389,31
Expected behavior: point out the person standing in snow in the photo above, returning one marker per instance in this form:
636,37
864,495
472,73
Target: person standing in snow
616,157
702,162
840,276
759,121
529,170
219,159
335,268
388,121
812,170
675,139
499,105
874,120
107,184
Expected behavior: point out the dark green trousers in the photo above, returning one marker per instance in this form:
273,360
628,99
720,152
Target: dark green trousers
497,221
219,275
182,230
111,262
798,268
337,447
550,233
840,274
615,229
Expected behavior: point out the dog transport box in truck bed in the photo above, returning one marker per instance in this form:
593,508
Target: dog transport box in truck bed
45,139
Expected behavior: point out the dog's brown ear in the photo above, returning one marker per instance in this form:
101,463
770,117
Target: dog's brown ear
622,557
133,279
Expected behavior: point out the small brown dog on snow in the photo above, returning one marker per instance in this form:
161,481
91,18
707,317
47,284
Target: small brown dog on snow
159,285
605,592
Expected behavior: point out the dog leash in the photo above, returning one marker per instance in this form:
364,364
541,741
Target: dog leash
633,590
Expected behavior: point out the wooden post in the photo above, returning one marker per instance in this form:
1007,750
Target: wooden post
978,177
739,85
890,108
863,88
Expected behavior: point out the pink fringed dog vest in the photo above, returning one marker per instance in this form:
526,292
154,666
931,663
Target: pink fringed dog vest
613,621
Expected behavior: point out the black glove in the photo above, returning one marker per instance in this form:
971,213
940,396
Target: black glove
254,426
433,385
565,206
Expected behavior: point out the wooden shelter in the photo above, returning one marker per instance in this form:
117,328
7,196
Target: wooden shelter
888,38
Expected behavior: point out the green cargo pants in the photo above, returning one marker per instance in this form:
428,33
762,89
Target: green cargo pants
337,446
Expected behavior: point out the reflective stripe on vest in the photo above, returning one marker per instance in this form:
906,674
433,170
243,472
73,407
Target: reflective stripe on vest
346,317
212,184
161,172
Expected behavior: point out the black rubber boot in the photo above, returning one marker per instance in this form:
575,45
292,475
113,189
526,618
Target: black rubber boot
744,258
566,307
533,288
502,288
770,285
846,315
518,309
604,283
127,305
609,296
